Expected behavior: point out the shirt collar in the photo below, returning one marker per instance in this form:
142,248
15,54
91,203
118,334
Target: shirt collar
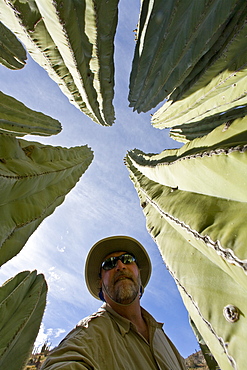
122,323
125,325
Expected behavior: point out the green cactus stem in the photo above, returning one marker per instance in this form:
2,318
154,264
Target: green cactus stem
196,166
34,180
74,43
22,304
214,94
18,120
12,53
202,242
177,43
200,230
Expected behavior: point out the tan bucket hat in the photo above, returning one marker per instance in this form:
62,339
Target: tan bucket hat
103,248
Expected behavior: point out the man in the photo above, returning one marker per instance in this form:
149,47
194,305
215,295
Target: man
121,335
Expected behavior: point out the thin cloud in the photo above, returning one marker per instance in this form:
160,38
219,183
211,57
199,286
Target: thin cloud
46,336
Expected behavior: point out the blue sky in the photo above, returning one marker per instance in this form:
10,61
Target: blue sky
104,202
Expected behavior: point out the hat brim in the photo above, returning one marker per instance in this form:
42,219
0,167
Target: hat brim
103,248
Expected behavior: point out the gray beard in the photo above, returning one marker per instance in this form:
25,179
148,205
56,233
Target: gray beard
124,293
127,294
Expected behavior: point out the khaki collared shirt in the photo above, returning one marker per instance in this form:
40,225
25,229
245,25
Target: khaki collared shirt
107,341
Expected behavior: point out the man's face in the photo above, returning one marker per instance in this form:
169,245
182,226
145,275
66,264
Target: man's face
122,283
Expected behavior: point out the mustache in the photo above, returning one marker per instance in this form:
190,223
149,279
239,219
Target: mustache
126,275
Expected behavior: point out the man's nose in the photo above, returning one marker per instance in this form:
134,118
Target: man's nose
120,265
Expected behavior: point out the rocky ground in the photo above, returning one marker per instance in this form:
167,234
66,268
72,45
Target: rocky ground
196,361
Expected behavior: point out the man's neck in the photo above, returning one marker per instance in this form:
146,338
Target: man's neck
130,312
133,313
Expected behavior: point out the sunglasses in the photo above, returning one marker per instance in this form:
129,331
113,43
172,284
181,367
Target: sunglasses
111,262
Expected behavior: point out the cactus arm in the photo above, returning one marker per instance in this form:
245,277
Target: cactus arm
34,180
195,166
225,91
60,20
107,17
223,95
17,119
49,31
231,42
208,279
12,53
208,223
174,46
22,303
50,59
188,132
222,87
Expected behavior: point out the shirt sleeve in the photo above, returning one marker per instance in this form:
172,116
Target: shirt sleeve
71,354
70,360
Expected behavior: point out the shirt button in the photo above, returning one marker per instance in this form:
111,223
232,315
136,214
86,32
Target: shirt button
231,313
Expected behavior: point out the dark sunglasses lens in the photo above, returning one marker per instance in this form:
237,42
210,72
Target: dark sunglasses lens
127,259
111,262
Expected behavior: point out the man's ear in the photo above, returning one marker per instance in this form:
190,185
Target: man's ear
101,295
141,290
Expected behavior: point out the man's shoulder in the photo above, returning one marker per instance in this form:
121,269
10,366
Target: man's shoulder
88,327
93,318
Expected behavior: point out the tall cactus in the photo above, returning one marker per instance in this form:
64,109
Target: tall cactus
22,303
194,199
218,96
34,180
73,41
178,41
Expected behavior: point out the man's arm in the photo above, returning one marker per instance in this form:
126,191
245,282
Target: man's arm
65,358
72,353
